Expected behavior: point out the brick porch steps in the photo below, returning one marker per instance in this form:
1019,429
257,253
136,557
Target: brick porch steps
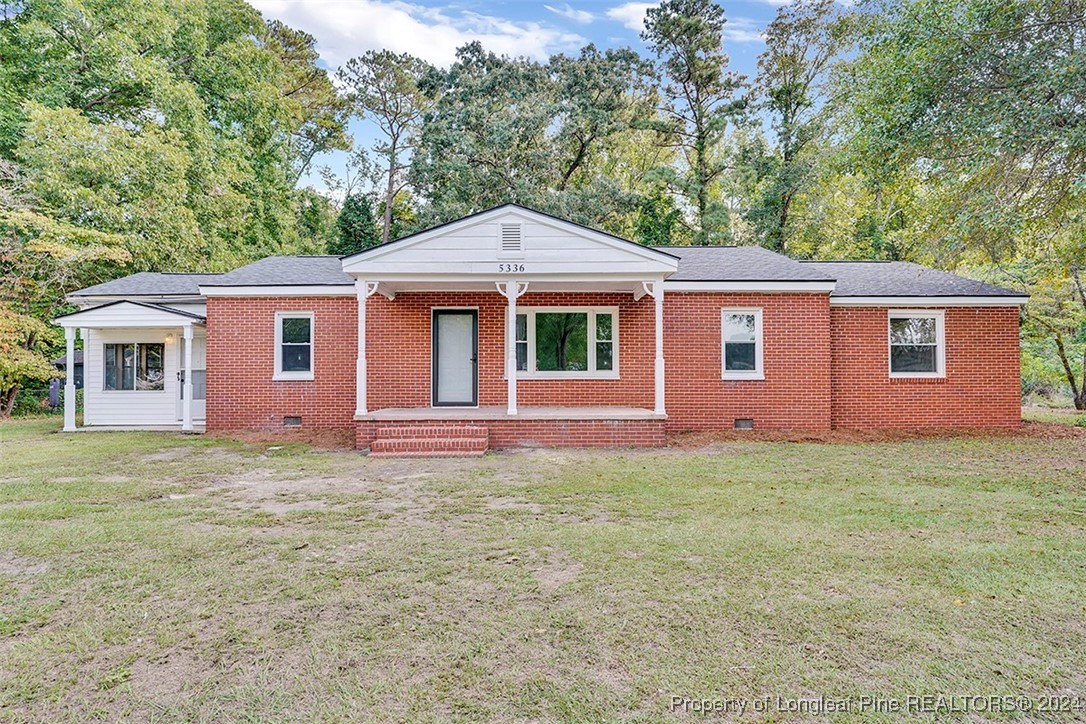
429,440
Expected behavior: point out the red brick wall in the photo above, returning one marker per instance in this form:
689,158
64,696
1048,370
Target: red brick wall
241,393
982,385
398,336
795,394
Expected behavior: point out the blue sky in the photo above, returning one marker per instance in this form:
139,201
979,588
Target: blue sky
433,31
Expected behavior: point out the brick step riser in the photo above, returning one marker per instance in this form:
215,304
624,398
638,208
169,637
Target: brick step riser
429,454
431,431
429,445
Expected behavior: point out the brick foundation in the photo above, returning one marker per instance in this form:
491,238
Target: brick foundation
543,433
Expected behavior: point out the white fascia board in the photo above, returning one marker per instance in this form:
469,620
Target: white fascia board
738,286
488,278
896,302
316,290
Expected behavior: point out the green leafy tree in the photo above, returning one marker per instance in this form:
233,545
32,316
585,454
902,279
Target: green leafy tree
356,225
984,99
802,42
514,130
40,258
241,103
384,87
700,102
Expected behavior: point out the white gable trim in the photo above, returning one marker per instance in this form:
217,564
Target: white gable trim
356,263
127,314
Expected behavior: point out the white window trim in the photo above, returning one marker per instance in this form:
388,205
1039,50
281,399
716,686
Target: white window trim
125,391
939,316
758,373
279,373
592,374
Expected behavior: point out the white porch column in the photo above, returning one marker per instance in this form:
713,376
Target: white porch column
511,290
364,290
186,402
656,289
69,381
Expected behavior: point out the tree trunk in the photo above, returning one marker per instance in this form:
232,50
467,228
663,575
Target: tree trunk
7,401
390,189
1078,392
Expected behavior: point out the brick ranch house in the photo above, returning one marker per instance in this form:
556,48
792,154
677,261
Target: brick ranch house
511,327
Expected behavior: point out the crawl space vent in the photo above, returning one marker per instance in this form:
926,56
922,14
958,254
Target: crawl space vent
744,424
292,422
510,242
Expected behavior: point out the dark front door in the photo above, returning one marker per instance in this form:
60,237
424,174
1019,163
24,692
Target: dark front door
455,358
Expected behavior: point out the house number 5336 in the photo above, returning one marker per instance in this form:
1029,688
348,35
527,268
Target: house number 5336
510,267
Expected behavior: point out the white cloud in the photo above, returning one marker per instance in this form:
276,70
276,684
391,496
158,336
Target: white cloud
347,28
570,13
743,30
632,14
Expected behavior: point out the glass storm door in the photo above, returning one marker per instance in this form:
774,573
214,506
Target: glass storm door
199,378
455,355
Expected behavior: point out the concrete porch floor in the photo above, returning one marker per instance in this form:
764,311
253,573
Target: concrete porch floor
197,428
499,413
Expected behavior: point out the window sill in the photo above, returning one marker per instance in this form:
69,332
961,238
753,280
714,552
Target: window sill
743,377
131,392
566,376
292,377
917,376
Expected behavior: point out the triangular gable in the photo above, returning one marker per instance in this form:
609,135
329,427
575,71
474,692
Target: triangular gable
125,313
486,243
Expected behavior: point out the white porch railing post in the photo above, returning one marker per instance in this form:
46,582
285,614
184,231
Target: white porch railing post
186,404
69,381
362,289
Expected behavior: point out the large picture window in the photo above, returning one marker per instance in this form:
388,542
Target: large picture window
134,366
294,345
567,342
741,344
916,344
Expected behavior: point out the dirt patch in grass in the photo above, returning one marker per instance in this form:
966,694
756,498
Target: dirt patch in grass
341,439
13,565
1035,430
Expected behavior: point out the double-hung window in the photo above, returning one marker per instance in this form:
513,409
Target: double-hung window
917,347
294,346
741,344
567,342
134,366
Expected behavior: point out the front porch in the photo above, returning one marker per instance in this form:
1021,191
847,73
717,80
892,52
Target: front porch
438,431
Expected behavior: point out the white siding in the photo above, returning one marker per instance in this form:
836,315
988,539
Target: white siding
128,407
548,248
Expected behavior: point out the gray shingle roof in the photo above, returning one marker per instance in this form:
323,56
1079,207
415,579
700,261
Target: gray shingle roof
902,279
696,263
150,284
739,264
288,271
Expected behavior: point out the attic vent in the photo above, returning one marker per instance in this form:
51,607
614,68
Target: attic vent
510,242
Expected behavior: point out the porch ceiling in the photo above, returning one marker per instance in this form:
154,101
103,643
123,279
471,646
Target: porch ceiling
625,286
523,413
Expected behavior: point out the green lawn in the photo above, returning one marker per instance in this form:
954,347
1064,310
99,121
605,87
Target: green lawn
161,576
